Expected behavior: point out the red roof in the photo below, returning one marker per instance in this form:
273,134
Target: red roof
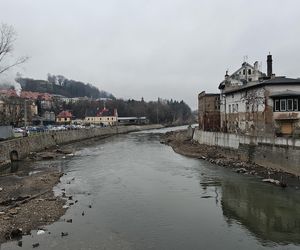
64,114
8,92
26,94
103,112
36,95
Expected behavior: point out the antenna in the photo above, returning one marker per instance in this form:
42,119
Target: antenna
245,58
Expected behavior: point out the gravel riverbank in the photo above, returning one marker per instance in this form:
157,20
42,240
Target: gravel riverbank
28,203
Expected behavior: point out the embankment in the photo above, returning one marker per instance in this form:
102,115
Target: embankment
282,154
240,159
20,148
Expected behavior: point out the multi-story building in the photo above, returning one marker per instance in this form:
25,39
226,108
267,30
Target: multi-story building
209,111
254,103
260,104
103,117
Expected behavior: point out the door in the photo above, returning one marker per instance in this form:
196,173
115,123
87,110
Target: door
287,128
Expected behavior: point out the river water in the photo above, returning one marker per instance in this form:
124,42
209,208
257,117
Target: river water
135,193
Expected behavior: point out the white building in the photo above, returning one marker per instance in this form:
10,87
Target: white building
252,102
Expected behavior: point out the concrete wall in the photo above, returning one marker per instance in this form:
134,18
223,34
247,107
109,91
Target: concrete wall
6,132
276,152
19,148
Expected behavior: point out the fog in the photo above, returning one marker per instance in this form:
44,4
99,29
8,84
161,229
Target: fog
142,48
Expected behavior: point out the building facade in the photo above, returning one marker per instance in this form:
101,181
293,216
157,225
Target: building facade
263,104
209,111
103,117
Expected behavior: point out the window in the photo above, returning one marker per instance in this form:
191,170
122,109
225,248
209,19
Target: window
229,108
232,96
295,104
244,72
247,107
249,71
237,108
277,106
283,105
290,105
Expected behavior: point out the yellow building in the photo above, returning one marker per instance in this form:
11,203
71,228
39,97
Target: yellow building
103,118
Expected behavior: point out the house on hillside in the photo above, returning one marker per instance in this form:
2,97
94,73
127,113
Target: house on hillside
255,103
64,117
104,117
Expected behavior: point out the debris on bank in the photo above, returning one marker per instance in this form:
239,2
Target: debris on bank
28,203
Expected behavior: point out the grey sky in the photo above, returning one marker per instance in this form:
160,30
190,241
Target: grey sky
153,48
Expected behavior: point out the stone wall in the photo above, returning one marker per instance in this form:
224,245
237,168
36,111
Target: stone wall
19,148
273,152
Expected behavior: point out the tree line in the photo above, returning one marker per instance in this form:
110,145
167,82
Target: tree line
167,112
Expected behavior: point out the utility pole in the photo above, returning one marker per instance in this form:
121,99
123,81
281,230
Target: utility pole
157,121
25,114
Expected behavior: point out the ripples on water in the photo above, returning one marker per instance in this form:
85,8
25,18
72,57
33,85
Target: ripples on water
145,196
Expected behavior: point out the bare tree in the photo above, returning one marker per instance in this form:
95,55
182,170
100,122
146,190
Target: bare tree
7,39
254,99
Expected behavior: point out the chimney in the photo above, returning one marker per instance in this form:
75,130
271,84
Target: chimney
256,66
226,75
269,66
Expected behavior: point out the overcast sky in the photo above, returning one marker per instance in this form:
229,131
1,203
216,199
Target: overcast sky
153,48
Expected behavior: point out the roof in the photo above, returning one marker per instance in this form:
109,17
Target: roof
244,64
132,118
280,80
64,114
106,112
26,94
8,92
36,95
285,93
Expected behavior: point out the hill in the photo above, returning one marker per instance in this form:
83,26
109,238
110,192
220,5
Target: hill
60,85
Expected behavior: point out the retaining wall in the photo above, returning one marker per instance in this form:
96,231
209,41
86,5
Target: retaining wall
19,148
273,152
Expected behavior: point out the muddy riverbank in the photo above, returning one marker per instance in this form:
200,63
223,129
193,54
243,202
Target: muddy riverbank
28,203
183,144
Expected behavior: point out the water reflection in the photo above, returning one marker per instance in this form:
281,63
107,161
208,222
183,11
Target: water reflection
270,213
145,196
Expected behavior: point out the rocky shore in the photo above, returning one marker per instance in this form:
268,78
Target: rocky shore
27,200
28,203
183,144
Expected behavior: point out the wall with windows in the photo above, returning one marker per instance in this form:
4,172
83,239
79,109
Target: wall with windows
254,112
243,111
105,120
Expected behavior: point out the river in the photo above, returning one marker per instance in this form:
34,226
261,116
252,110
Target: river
135,193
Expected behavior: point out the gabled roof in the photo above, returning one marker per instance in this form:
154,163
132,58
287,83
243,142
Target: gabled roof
8,93
245,64
64,114
106,112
